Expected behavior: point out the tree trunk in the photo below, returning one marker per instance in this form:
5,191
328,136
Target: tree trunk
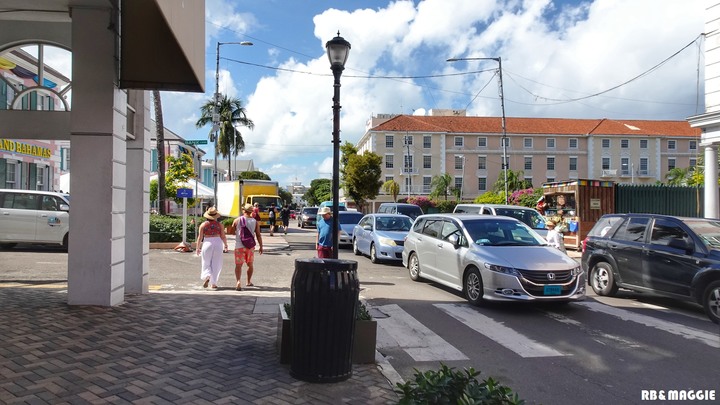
160,134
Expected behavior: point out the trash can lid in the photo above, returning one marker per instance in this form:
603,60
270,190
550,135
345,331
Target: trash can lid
326,264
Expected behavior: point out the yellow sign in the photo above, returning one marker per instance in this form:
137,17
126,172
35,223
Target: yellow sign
24,148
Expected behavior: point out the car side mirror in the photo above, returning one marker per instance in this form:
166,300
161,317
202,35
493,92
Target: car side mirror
367,227
681,244
64,207
454,239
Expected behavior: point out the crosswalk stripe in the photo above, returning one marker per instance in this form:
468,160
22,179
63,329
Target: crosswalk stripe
498,332
401,330
710,339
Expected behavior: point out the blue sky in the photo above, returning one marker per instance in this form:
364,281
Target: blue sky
561,59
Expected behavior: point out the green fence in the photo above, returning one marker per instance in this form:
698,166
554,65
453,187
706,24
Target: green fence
659,199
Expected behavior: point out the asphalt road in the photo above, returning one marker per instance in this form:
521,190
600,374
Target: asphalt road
604,350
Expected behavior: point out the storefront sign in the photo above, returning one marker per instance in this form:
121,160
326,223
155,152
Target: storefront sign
24,148
594,203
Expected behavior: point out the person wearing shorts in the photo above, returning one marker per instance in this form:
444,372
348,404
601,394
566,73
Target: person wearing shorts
242,254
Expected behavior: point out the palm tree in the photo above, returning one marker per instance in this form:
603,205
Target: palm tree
392,187
232,114
440,185
160,130
677,176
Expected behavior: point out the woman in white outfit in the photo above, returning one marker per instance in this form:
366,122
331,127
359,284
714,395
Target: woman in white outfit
555,238
212,243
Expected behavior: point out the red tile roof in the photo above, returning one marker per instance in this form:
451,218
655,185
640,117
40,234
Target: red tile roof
541,126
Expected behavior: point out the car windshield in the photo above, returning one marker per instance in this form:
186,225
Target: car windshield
310,211
529,217
266,201
501,233
350,218
409,211
707,230
399,223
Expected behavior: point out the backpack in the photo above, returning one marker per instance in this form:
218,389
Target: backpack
246,237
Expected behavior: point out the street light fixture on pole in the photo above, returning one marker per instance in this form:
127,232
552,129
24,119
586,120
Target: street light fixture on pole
502,108
338,50
216,114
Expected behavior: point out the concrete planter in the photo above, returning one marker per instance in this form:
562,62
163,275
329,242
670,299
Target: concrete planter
364,342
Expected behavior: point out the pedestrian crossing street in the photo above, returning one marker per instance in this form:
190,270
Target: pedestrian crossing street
400,330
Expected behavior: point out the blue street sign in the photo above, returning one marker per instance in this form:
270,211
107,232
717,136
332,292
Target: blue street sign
184,193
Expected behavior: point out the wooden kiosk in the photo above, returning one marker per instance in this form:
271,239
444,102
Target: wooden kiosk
577,205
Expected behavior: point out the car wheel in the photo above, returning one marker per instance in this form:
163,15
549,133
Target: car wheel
414,267
373,254
355,247
473,286
65,243
602,280
711,301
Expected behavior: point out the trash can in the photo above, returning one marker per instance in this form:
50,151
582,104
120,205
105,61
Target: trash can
324,298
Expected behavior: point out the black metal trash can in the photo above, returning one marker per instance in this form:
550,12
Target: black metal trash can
324,297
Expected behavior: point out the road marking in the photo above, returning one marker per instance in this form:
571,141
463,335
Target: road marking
597,335
400,329
710,339
497,331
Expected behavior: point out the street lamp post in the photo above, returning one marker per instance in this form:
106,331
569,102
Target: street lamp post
216,114
502,108
338,50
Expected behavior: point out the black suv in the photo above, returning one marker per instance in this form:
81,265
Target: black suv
661,254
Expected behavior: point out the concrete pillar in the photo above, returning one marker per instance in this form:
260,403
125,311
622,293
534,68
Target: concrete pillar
137,246
711,182
96,260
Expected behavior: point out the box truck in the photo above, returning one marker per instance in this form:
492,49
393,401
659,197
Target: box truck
233,195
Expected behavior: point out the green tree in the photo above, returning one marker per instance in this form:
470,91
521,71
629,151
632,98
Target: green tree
678,176
361,176
515,181
180,170
320,190
160,144
391,187
440,185
285,196
254,175
232,114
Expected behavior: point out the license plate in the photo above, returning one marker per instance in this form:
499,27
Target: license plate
552,290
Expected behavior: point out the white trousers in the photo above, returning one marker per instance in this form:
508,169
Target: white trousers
212,260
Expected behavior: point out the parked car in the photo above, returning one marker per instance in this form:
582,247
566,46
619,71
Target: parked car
348,220
381,236
411,210
29,216
292,214
490,258
529,216
666,255
307,217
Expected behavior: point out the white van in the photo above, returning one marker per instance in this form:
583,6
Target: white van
29,216
529,216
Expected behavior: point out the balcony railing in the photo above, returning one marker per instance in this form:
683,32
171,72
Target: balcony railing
410,170
609,173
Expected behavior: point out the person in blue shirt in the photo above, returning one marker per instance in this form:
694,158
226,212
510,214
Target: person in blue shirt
324,233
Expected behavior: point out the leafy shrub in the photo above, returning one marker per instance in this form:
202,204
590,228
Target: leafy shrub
422,202
362,314
527,197
490,198
445,206
169,229
447,386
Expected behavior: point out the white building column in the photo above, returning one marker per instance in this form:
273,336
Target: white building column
96,259
712,210
137,224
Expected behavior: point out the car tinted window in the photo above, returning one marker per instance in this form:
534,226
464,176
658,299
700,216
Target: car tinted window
350,218
707,230
529,217
433,227
412,212
419,225
664,231
394,224
310,211
450,228
501,233
486,211
633,230
604,225
50,203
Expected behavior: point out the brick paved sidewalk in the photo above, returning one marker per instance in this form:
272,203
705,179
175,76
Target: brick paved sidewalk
159,348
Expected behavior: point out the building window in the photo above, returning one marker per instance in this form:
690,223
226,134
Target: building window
551,179
624,166
671,144
482,183
505,142
605,143
482,162
40,174
427,181
389,161
693,145
458,182
407,140
624,143
388,178
459,141
573,164
551,163
693,162
427,161
606,163
459,162
528,163
408,162
643,144
427,141
65,159
644,166
527,143
389,141
573,143
550,143
482,142
10,175
671,163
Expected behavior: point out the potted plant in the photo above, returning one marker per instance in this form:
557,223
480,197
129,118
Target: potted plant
227,223
364,339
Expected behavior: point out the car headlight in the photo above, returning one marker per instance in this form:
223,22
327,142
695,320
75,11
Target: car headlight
343,233
577,271
387,241
502,269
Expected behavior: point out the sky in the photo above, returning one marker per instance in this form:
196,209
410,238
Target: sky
637,59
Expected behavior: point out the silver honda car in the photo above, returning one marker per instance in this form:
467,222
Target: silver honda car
490,258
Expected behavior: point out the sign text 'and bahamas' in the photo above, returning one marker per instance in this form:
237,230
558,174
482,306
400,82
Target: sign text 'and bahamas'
24,148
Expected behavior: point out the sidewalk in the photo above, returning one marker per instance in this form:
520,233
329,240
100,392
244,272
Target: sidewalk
172,347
